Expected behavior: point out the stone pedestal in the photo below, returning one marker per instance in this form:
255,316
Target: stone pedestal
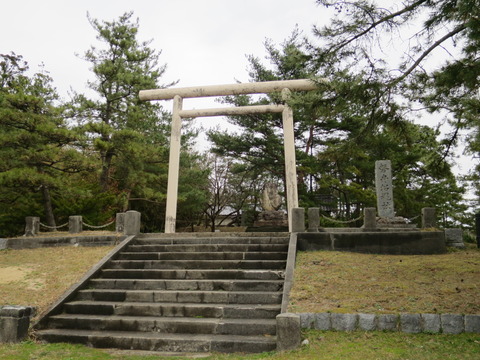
14,323
397,222
32,225
75,224
271,218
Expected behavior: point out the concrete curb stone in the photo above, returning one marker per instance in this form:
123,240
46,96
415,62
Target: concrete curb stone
307,320
431,323
410,323
472,323
387,322
452,323
323,321
367,322
344,322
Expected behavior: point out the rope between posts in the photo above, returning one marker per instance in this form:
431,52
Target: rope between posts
414,218
97,227
340,221
54,227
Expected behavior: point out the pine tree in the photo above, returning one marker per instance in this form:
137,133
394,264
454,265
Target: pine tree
37,149
121,129
448,31
129,137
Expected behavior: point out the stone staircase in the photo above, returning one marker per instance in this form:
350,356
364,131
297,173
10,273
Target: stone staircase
196,293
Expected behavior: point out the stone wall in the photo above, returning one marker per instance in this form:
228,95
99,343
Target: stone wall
39,242
378,242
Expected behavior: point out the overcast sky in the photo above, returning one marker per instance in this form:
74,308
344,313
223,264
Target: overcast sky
202,41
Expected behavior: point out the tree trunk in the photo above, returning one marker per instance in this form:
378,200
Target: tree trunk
47,205
105,174
212,222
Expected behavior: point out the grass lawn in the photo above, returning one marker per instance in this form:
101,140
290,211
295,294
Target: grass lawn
322,345
324,281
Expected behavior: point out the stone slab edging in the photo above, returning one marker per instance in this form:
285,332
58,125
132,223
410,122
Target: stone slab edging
407,323
54,241
289,271
82,283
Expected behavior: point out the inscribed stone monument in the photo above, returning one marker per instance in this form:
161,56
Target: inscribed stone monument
384,188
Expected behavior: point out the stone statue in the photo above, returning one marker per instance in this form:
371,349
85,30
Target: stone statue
271,200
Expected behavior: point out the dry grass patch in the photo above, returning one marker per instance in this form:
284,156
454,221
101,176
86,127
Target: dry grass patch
37,277
366,283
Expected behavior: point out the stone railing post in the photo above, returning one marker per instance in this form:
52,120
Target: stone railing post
14,323
298,220
429,219
32,225
454,237
75,224
288,331
369,218
313,219
132,223
120,222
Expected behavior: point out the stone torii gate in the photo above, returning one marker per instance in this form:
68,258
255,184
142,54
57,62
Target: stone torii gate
285,87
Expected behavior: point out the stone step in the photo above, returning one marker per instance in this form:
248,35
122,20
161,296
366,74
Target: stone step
219,235
165,324
212,240
226,297
234,311
202,256
209,248
191,293
155,341
197,264
231,274
205,285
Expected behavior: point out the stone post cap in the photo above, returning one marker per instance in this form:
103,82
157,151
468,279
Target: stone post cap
288,315
17,311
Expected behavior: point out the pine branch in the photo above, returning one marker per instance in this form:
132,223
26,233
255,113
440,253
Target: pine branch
379,22
428,51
